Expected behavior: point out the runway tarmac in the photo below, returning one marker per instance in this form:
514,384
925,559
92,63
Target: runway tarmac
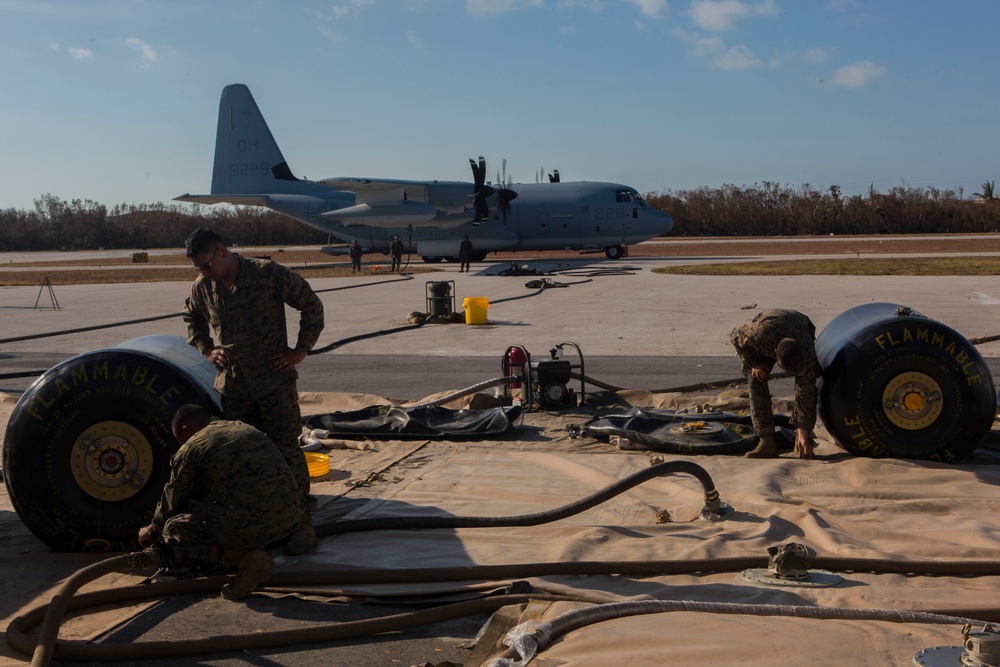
635,328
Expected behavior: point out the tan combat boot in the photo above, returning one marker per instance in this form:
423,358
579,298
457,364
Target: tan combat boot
252,567
765,449
303,538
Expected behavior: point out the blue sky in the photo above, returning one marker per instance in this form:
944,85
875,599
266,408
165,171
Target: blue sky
116,101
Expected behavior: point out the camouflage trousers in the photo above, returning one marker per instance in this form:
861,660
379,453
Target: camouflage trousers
761,407
210,529
277,415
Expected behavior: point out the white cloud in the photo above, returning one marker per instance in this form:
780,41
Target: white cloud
81,54
653,9
330,34
350,8
412,40
492,7
713,49
816,56
147,52
724,15
593,5
700,46
737,57
858,75
54,46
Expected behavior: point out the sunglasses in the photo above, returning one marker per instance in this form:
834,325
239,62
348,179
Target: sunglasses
207,265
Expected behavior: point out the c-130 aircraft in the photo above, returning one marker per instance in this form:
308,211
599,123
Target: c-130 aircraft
430,217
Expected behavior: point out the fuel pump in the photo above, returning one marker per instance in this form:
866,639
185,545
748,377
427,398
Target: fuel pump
542,384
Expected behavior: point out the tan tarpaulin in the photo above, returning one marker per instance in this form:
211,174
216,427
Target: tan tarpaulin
838,505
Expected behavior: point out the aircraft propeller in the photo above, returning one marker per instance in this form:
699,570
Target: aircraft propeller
483,191
505,194
553,177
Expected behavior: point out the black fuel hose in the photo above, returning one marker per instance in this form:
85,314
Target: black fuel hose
351,339
530,638
713,507
17,631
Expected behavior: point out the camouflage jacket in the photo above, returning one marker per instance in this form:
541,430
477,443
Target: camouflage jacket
250,323
756,341
233,465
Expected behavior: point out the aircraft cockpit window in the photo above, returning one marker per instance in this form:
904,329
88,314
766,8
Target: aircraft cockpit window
627,195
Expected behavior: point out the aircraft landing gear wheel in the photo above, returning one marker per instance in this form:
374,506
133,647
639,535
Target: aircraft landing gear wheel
614,252
479,256
431,259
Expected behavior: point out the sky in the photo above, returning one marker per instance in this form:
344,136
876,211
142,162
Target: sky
116,101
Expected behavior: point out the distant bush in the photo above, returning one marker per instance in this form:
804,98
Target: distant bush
83,224
769,209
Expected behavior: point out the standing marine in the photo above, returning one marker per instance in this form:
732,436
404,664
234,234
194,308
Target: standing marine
464,254
244,301
788,338
355,252
396,252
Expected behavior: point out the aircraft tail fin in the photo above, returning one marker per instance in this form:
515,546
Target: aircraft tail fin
247,158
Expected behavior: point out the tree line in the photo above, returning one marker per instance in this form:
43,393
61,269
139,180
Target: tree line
55,224
765,209
770,209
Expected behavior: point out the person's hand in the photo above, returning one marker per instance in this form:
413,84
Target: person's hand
803,445
148,536
760,373
217,357
287,360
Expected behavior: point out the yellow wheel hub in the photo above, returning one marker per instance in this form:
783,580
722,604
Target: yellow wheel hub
111,460
912,400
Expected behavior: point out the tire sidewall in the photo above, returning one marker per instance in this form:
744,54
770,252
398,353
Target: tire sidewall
108,385
851,393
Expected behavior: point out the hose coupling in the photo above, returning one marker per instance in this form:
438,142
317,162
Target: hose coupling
790,561
982,645
715,511
150,558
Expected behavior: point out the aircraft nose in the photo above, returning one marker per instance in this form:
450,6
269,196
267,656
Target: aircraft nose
663,220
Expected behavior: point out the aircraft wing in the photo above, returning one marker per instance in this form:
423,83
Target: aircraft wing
375,185
243,200
389,203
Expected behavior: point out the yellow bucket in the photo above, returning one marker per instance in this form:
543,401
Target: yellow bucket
475,309
318,464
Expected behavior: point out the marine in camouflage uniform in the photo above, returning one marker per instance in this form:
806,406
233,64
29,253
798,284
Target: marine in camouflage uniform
396,251
243,300
229,495
756,344
355,252
229,489
464,254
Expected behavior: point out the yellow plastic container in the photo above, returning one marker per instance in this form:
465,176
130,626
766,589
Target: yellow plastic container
318,464
475,309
